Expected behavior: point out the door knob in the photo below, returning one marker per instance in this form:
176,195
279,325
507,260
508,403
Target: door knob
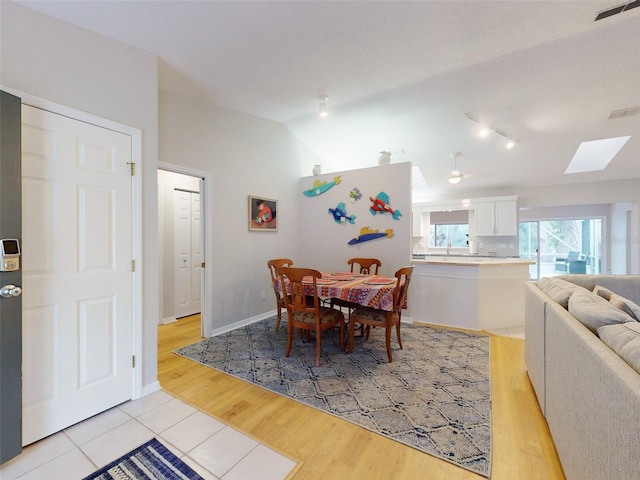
9,291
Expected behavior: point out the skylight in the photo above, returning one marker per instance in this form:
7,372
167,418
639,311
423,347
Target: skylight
595,155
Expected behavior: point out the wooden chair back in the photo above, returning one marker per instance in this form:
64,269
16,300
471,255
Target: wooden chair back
371,317
304,310
367,265
296,300
274,265
403,277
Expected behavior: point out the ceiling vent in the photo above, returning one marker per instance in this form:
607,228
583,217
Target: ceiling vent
624,112
625,7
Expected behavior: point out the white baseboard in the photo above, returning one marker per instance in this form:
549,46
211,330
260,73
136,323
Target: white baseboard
242,323
150,388
168,320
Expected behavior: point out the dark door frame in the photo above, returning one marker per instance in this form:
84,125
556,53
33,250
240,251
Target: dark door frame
10,308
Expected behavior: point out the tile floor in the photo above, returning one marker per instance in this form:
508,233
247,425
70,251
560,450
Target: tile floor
214,450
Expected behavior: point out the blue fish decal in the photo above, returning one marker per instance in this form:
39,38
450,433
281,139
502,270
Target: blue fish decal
321,187
367,234
340,214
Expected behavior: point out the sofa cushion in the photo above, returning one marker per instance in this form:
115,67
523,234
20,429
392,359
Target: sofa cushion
627,306
559,290
603,292
594,311
624,339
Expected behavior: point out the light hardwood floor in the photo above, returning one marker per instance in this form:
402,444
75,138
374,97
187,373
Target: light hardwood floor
330,448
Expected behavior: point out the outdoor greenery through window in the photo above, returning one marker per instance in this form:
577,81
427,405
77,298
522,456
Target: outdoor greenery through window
458,233
562,246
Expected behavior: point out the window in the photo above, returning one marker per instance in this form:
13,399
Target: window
562,246
458,233
451,225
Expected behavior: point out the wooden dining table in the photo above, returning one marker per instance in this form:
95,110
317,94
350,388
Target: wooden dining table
375,291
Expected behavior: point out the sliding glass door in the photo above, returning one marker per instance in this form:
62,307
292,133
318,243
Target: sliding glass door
563,246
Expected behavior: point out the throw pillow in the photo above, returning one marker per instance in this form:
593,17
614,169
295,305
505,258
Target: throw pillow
604,292
624,339
626,305
594,311
559,290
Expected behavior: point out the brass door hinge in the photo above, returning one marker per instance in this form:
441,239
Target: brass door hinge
133,265
133,168
133,361
202,265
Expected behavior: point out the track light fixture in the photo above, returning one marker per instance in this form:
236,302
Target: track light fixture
484,131
323,106
455,175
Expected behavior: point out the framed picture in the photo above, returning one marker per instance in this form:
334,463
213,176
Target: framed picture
263,214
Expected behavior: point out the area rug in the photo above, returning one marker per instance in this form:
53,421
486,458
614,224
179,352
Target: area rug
435,396
151,461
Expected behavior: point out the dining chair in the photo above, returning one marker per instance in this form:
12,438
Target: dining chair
373,317
367,266
304,315
274,265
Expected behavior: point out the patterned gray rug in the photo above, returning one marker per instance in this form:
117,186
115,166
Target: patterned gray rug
435,396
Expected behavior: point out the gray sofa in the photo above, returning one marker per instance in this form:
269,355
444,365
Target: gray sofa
588,394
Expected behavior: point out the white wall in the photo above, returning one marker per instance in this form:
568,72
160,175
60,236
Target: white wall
324,243
243,155
58,62
617,241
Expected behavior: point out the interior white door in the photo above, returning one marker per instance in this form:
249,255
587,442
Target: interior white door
196,252
77,274
188,252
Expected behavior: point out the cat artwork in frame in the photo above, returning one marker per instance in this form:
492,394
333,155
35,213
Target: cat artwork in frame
263,214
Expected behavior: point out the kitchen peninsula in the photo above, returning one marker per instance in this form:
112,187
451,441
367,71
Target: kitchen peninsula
471,292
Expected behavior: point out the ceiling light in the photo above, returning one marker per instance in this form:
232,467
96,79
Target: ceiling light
455,175
484,131
323,107
595,155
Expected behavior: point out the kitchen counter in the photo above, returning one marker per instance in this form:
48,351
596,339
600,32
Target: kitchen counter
471,260
471,292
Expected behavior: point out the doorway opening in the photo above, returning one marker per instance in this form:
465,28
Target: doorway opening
560,247
182,242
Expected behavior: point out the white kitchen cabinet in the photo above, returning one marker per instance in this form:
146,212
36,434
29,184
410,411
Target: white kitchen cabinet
417,221
498,217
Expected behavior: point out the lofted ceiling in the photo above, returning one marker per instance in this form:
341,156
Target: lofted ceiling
401,75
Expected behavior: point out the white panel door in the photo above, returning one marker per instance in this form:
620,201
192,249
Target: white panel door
188,253
77,279
196,253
